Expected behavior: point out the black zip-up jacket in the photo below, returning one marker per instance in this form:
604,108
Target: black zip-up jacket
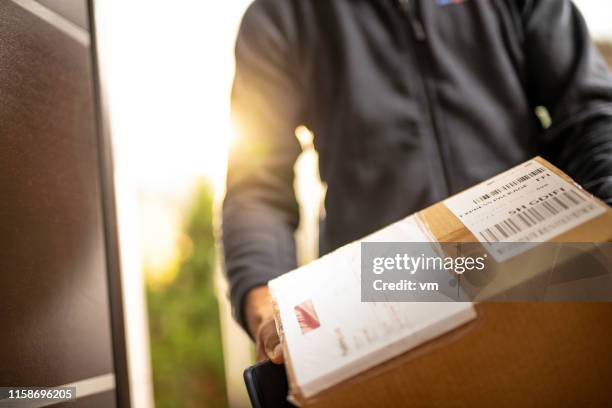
409,102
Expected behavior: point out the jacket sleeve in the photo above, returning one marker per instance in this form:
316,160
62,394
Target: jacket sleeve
567,75
260,212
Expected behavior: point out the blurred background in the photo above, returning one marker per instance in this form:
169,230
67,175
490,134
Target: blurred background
168,68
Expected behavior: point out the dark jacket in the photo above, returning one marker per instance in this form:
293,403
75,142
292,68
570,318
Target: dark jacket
409,101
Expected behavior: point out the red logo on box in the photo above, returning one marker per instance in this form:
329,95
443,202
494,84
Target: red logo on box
307,316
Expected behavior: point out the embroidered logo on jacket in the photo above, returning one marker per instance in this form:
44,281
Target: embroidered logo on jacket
449,2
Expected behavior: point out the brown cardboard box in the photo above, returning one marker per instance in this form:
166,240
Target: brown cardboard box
513,354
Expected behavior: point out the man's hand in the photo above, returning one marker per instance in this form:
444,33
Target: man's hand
260,319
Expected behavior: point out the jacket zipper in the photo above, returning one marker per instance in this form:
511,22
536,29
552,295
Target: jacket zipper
423,63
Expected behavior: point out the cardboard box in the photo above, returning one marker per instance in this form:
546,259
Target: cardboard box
459,354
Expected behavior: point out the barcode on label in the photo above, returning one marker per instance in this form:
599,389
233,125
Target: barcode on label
509,185
534,216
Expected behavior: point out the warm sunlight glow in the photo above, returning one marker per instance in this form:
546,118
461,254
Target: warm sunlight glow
169,86
304,135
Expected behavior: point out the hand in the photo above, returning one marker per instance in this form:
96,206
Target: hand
260,319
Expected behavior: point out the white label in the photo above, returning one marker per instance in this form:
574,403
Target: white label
526,204
331,335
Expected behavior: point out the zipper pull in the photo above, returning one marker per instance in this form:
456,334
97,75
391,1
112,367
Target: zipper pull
418,29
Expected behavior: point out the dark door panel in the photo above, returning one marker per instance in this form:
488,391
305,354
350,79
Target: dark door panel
55,325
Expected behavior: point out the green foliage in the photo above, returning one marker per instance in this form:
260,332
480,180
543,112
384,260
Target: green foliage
184,322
